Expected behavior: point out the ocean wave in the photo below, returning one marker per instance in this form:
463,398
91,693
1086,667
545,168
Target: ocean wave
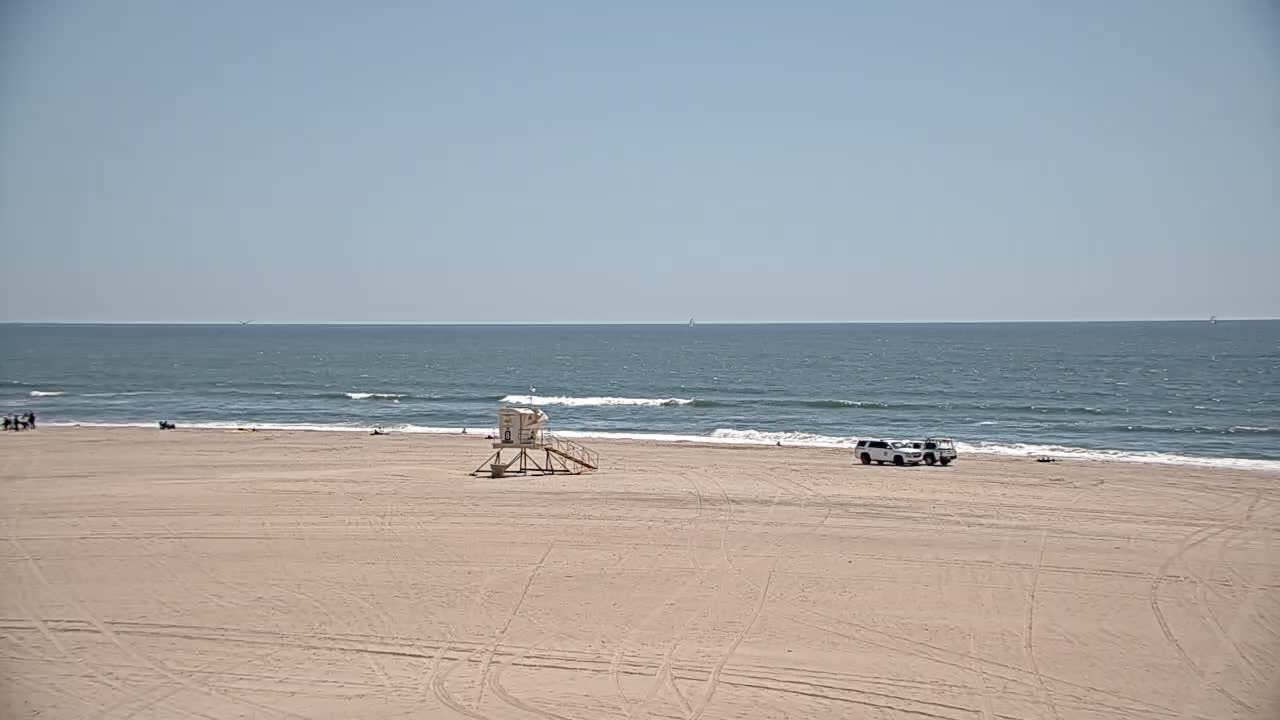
130,393
1104,455
46,393
838,404
730,436
1192,429
940,404
595,401
368,395
762,437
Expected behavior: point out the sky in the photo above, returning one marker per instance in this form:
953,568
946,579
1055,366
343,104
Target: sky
492,161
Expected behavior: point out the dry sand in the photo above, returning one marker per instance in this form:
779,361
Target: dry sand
153,574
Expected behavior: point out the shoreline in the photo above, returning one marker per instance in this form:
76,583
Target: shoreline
1011,451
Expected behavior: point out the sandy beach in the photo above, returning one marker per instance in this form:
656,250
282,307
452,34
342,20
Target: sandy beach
212,574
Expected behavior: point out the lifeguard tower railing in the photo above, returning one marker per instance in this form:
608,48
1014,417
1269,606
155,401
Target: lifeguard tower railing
570,450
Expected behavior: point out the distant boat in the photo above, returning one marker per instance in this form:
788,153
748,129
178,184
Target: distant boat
690,322
1213,319
245,322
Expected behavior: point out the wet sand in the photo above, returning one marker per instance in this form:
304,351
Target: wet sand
211,574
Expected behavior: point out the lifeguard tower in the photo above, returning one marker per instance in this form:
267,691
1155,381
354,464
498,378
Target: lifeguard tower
532,448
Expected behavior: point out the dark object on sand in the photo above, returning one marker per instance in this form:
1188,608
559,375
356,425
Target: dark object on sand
166,425
8,424
1046,458
31,420
379,431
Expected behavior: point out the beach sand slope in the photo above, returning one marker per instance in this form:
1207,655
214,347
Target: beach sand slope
149,574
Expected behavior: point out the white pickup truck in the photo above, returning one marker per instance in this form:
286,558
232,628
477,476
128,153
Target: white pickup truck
936,450
883,451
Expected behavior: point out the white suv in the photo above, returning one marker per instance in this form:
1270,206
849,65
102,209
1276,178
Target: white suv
936,450
883,451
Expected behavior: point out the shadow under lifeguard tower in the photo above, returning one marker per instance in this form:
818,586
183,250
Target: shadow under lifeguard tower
533,449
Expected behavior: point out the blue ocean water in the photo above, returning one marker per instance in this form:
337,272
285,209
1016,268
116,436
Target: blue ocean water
1172,391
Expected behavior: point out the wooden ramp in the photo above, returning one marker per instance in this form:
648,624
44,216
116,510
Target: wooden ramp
571,452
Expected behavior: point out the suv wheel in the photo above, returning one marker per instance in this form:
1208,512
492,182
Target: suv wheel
945,461
929,459
866,459
897,460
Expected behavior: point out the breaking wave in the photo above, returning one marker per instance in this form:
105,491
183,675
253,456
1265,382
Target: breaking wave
43,393
368,395
1125,456
128,393
595,401
841,404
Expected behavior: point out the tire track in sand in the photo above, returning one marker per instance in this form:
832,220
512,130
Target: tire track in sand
1028,638
506,625
129,650
1187,543
663,675
713,680
45,631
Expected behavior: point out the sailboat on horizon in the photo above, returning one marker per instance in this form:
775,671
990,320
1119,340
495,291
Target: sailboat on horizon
690,322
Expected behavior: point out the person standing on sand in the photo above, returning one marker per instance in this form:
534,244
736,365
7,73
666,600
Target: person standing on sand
31,420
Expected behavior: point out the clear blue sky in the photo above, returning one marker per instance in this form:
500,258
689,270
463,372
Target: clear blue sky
734,161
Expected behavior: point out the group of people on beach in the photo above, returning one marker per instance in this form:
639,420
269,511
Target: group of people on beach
20,422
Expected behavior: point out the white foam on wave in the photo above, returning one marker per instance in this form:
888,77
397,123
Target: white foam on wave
367,395
44,393
592,401
729,436
761,437
1126,456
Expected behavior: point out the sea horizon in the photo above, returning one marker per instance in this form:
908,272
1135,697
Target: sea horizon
611,323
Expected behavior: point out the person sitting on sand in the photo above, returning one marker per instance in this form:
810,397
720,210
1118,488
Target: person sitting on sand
7,423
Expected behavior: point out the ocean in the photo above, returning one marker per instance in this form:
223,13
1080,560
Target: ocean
1175,392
